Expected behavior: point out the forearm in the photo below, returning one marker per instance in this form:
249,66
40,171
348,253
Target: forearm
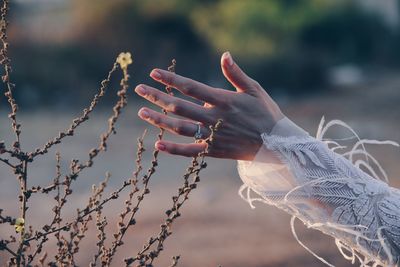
301,175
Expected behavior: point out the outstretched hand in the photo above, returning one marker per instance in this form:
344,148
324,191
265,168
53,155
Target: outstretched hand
246,113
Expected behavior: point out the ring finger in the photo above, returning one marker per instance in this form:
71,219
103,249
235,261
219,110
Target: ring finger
173,125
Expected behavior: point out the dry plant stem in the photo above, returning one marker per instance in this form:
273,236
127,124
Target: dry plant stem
99,204
82,214
56,208
79,231
132,181
143,257
168,89
6,62
20,170
101,223
76,229
20,259
77,168
5,247
123,226
71,130
6,219
111,129
175,261
6,161
172,214
42,259
78,121
4,243
55,220
106,259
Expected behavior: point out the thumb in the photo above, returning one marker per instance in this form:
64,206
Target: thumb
237,77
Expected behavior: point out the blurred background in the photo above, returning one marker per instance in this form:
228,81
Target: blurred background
333,58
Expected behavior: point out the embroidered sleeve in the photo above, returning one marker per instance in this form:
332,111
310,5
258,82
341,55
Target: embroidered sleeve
342,195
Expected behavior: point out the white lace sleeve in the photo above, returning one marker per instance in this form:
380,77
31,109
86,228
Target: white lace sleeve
327,191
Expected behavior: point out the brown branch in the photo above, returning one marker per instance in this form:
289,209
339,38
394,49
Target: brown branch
3,246
78,121
195,168
122,226
6,219
57,208
77,168
23,207
79,232
175,261
6,62
6,161
101,223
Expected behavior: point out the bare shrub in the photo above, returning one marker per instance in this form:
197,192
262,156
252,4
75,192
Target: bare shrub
28,246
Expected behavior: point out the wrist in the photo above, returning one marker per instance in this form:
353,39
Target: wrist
285,127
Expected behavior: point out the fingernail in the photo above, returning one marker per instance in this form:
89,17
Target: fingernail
155,74
144,114
160,146
140,90
228,58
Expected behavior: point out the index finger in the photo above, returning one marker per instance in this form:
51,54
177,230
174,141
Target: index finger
190,87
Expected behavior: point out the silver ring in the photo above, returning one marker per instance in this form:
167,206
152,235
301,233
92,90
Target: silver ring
198,135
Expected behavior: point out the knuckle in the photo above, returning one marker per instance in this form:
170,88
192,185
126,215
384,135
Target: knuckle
211,118
256,84
169,79
157,120
175,108
153,97
226,103
173,149
187,87
178,128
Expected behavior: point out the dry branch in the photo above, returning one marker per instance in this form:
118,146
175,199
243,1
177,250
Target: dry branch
31,248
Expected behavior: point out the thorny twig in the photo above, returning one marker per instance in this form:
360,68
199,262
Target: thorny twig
78,121
76,168
122,226
68,245
101,223
175,261
6,62
145,258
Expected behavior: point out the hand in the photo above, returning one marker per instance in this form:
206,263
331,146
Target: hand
246,113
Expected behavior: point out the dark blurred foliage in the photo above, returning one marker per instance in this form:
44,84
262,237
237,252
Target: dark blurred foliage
287,45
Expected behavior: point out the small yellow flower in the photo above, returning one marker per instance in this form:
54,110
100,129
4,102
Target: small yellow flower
124,60
19,225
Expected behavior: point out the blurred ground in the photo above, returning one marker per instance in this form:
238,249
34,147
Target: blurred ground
217,227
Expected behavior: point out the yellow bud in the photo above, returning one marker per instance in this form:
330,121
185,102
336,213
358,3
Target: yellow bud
124,60
19,225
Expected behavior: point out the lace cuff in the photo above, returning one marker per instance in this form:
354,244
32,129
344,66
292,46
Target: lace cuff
327,191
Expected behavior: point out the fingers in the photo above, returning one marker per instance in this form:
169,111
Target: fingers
173,125
173,104
237,77
187,150
190,87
